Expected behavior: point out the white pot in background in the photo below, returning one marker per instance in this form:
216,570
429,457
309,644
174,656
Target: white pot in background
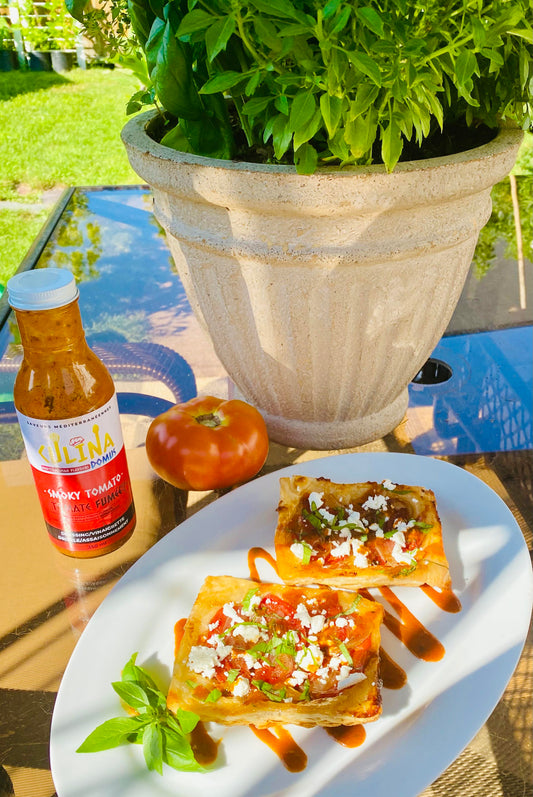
323,294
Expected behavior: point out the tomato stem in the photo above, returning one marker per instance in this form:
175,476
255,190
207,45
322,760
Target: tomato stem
209,419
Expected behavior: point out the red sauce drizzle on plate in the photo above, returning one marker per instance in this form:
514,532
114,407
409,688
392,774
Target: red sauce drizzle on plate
391,674
259,553
281,742
444,598
348,735
204,747
417,639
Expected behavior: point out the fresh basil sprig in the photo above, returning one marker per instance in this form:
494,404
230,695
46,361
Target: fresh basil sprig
163,735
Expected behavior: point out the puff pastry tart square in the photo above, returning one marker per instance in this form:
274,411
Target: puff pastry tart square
353,536
261,654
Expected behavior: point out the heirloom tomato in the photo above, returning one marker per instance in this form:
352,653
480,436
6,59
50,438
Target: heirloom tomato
207,443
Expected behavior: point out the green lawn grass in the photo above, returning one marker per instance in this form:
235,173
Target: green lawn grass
57,131
63,130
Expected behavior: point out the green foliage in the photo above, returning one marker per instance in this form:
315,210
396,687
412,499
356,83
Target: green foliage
18,229
499,238
333,82
48,26
163,735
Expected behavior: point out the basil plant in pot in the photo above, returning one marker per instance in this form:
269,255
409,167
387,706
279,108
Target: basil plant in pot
322,171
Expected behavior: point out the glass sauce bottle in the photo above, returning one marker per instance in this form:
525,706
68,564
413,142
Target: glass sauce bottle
68,413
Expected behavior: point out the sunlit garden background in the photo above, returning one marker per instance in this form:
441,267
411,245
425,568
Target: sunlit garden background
63,129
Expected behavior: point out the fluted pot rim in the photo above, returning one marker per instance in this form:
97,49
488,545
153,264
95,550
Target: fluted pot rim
135,135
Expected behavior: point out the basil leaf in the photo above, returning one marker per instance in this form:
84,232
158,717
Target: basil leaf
177,752
111,733
142,18
131,672
371,19
224,81
132,694
187,720
193,21
153,747
331,108
218,35
366,65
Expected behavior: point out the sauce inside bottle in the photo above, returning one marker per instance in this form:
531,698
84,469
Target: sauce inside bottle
68,413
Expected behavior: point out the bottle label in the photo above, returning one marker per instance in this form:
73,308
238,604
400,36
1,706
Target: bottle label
81,474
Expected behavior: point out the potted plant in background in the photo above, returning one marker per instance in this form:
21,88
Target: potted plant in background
49,33
322,171
8,54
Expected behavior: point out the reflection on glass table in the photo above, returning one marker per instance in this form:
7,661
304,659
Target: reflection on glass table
138,318
485,404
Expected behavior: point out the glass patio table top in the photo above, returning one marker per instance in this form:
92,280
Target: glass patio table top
471,405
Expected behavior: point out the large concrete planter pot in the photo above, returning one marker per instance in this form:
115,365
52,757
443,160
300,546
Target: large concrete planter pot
323,294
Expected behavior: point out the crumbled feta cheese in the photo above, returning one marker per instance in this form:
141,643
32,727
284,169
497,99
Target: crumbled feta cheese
375,502
297,677
341,549
316,499
250,661
328,516
341,622
388,485
250,633
314,622
403,557
297,549
398,538
309,658
344,672
230,613
360,560
323,673
203,660
336,662
241,687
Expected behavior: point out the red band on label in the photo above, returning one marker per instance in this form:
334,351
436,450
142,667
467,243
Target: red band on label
87,510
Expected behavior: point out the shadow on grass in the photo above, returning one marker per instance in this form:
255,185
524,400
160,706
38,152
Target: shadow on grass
14,83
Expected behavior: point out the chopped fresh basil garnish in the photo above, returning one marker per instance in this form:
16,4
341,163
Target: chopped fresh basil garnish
232,675
345,652
276,695
425,527
247,600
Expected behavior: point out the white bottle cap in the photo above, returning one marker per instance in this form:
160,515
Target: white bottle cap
42,289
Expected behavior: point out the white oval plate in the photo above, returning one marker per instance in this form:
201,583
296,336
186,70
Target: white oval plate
424,726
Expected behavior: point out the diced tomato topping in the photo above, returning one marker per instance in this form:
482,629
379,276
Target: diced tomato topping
359,652
277,671
219,622
274,605
381,551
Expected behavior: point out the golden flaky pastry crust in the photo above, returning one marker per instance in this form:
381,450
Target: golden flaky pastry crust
210,694
353,536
